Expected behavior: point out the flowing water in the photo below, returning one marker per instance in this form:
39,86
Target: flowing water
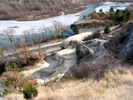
64,19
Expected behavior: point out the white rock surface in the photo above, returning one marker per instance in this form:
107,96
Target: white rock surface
69,58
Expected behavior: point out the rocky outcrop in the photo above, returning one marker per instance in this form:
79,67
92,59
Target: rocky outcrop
67,58
126,52
56,66
79,37
97,45
117,41
88,52
5,61
88,24
83,52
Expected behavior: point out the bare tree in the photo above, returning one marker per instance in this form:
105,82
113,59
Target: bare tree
39,45
57,27
9,32
27,37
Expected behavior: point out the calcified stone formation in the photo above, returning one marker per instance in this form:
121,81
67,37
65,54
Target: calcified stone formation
66,59
79,37
75,50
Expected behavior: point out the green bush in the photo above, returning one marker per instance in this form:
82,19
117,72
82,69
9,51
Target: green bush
1,52
13,68
117,15
6,91
114,22
126,15
63,35
107,30
21,79
111,11
120,16
30,92
84,17
100,10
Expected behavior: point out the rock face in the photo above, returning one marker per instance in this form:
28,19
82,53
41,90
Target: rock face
126,52
97,45
67,58
117,41
122,42
5,61
88,50
83,52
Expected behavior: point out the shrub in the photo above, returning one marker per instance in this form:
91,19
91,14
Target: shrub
117,15
84,17
63,35
94,15
28,80
126,15
29,56
13,68
114,22
6,91
30,92
111,11
1,52
10,79
107,30
14,80
100,10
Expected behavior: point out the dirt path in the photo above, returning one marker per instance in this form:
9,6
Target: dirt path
43,47
43,70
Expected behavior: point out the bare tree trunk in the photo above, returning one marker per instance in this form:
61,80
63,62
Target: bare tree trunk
9,33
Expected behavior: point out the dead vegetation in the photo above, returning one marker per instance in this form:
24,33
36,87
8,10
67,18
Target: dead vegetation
15,80
110,80
36,9
117,84
30,57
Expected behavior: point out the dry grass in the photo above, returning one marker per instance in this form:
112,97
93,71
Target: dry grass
116,85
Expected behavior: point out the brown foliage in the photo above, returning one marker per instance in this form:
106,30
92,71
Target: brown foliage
29,80
30,57
10,79
14,80
97,17
94,16
105,17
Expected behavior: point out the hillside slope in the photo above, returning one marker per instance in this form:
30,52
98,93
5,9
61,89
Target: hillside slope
116,85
